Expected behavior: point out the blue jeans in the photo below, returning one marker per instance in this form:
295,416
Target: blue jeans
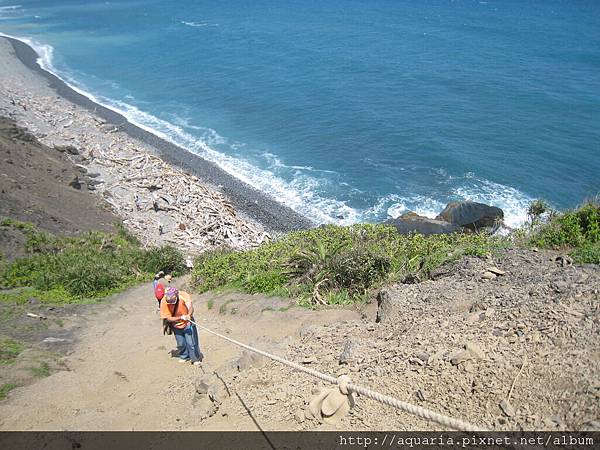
187,343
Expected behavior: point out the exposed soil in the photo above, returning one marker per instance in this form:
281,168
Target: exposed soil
35,187
534,328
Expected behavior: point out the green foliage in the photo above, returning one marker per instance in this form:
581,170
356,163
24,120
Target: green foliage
358,268
9,350
536,209
55,296
577,230
587,253
210,304
265,282
166,258
42,371
69,269
5,389
334,264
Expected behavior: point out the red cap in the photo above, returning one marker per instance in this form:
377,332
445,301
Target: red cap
159,292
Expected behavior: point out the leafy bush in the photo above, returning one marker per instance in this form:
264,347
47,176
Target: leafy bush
166,258
577,230
587,253
357,269
536,209
334,264
265,282
93,264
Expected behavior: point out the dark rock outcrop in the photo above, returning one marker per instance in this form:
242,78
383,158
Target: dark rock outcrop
414,223
471,215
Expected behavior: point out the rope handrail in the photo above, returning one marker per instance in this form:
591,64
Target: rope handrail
416,410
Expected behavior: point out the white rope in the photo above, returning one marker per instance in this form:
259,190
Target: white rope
419,411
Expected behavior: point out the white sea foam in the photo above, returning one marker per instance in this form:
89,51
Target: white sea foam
199,24
513,202
10,11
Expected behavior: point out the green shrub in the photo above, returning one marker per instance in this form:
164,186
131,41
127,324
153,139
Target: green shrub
587,253
91,265
357,269
577,230
332,263
265,282
42,371
536,209
166,258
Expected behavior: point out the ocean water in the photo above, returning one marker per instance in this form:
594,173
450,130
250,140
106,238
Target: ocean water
349,110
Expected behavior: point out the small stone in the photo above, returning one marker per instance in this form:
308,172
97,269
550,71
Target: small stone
475,350
592,425
308,360
75,183
468,367
488,275
460,357
299,416
423,356
556,419
496,271
348,353
507,408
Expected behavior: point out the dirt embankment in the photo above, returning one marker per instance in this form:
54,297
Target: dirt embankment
41,185
505,343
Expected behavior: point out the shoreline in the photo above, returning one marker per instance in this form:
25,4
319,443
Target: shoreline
247,200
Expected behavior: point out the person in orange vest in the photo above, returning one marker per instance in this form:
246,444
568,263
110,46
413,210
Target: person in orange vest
177,309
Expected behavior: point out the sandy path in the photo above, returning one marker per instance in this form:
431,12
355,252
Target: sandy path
121,375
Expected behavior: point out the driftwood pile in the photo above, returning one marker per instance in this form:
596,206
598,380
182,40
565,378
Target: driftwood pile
158,203
162,203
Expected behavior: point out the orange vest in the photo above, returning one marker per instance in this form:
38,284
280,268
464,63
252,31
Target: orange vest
168,311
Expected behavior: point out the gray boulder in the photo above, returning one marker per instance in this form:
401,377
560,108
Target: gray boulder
414,223
471,215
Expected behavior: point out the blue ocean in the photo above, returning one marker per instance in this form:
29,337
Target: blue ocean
349,110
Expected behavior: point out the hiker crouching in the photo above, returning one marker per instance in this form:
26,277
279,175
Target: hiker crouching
177,309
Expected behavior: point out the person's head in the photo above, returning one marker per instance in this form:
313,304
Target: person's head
168,278
171,295
159,292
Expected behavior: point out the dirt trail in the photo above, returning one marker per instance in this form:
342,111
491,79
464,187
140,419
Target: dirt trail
121,376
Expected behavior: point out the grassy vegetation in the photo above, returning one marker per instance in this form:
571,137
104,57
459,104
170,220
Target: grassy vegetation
329,264
577,232
5,389
9,350
333,264
42,371
75,269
